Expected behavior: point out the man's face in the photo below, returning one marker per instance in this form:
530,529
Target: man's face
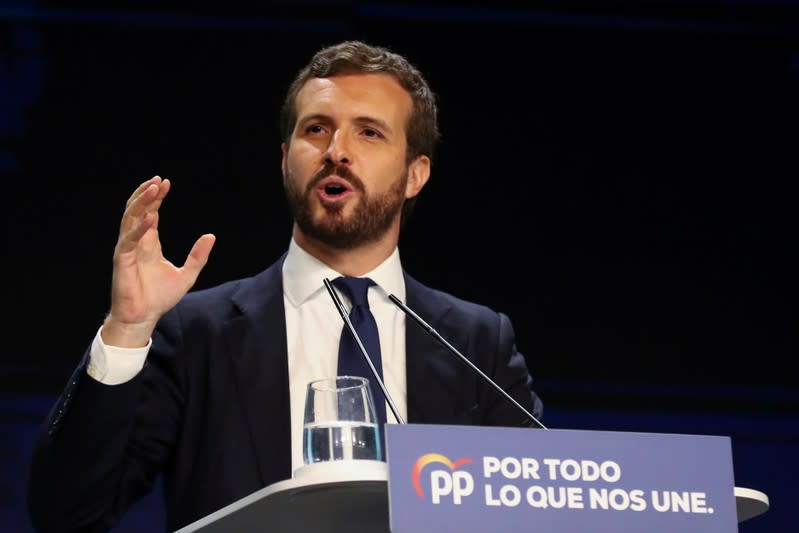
344,171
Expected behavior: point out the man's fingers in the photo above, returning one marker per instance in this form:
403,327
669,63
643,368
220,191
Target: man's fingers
147,198
198,257
155,180
130,238
163,189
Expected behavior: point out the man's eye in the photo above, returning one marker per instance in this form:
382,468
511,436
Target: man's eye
315,128
371,133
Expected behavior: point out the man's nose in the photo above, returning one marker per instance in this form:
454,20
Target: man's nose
338,149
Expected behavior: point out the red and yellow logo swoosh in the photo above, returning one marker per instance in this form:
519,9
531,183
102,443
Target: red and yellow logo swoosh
428,458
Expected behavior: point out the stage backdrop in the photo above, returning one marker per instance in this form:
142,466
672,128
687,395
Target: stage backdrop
619,179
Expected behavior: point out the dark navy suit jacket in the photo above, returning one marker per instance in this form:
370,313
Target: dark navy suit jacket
210,408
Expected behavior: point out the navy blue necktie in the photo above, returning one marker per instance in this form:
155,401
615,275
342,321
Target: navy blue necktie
350,358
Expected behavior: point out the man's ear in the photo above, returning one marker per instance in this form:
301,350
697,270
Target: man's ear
418,174
284,149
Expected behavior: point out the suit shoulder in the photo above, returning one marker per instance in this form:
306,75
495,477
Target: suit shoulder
243,292
442,300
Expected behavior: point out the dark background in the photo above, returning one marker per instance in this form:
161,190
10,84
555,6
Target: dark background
618,177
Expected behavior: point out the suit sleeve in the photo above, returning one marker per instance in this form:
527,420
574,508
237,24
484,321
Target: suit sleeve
102,446
510,371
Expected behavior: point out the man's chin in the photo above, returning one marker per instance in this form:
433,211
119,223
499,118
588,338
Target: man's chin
338,241
332,233
330,223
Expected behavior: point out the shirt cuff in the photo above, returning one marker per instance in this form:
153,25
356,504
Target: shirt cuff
112,365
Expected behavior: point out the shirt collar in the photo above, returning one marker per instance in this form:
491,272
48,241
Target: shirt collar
303,275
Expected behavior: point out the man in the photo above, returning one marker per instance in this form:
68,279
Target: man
207,387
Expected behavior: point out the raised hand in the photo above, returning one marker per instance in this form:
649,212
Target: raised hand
145,284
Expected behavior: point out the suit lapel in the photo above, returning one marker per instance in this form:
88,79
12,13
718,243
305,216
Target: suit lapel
257,343
437,382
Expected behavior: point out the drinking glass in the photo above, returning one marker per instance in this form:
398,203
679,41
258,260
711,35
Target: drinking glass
340,421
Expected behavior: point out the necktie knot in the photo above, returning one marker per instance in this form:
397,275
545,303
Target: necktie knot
355,289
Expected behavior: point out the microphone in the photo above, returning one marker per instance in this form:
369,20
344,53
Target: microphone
463,358
343,312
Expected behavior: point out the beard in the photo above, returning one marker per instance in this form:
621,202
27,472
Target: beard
370,220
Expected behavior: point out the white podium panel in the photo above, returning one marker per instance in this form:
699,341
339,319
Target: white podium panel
341,496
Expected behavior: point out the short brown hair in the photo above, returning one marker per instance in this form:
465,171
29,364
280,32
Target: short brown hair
351,57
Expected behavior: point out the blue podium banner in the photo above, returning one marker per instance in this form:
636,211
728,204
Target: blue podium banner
484,479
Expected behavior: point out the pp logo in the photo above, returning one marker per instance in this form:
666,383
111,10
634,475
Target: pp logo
452,481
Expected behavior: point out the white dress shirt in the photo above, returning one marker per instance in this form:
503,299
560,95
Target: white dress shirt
313,329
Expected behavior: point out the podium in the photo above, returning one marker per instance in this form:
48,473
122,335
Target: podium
341,496
345,496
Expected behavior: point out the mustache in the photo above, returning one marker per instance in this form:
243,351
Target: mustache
336,170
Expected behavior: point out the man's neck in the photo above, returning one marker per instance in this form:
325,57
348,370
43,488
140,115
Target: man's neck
351,261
